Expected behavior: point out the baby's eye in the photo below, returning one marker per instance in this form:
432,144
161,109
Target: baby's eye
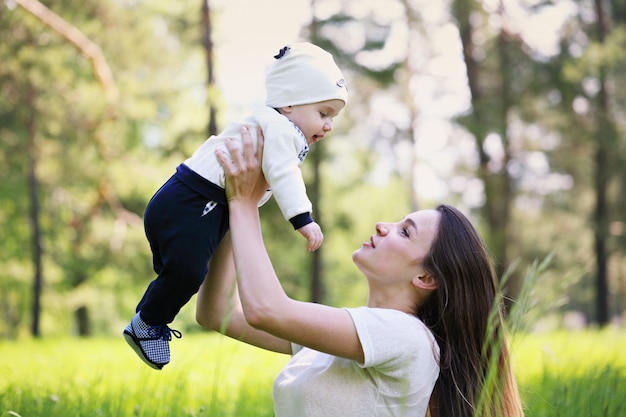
323,114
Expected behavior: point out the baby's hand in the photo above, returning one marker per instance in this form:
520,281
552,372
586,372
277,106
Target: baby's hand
313,233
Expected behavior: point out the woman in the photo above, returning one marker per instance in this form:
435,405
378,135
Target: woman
426,340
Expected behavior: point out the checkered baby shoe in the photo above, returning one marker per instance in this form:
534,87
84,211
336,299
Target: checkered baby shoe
150,343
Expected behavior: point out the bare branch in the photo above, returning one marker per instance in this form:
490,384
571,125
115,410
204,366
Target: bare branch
80,41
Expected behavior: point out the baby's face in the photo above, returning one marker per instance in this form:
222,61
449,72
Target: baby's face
315,120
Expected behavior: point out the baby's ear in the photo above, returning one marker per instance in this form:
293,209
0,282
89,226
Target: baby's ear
425,282
285,110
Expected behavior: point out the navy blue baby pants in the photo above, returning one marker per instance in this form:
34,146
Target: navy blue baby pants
185,221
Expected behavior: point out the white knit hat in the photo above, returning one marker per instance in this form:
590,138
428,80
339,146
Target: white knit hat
303,74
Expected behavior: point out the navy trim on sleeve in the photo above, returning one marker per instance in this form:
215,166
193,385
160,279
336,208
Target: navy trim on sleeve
300,220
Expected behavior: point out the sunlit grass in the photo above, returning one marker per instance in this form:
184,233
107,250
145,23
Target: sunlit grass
572,374
560,374
572,353
209,375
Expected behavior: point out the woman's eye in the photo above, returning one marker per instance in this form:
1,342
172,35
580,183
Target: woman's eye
405,231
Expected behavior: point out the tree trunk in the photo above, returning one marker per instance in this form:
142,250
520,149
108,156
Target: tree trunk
502,200
605,139
618,17
207,42
82,319
33,188
478,124
411,21
318,290
482,120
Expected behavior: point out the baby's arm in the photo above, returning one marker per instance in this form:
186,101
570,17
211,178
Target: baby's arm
281,167
313,234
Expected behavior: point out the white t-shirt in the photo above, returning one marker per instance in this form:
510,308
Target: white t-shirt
396,379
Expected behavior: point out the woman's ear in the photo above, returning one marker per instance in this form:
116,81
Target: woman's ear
425,282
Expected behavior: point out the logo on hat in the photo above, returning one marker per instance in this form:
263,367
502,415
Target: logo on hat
342,83
282,52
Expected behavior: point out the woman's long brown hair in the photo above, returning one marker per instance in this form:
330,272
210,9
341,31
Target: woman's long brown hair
465,315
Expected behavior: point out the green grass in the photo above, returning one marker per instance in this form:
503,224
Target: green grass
560,374
210,375
572,374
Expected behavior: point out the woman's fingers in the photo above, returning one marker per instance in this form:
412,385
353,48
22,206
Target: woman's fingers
225,160
249,160
260,143
253,159
248,147
234,163
244,176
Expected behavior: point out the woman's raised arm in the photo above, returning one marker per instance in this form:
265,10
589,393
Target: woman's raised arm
265,304
218,306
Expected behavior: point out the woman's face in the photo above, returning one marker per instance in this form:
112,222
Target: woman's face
397,251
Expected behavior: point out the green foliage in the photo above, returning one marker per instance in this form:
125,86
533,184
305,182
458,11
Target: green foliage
98,162
95,168
560,374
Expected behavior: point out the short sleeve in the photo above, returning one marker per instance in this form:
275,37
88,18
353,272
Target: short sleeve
295,348
389,336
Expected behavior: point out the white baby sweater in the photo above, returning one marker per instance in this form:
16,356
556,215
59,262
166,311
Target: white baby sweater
284,151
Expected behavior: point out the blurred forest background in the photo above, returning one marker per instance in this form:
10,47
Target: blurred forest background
513,110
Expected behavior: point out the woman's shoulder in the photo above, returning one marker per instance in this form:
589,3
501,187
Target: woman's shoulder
392,332
388,317
392,339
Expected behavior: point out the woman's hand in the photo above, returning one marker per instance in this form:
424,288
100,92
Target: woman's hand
244,176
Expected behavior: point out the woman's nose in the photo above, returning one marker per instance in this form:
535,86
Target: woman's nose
381,228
